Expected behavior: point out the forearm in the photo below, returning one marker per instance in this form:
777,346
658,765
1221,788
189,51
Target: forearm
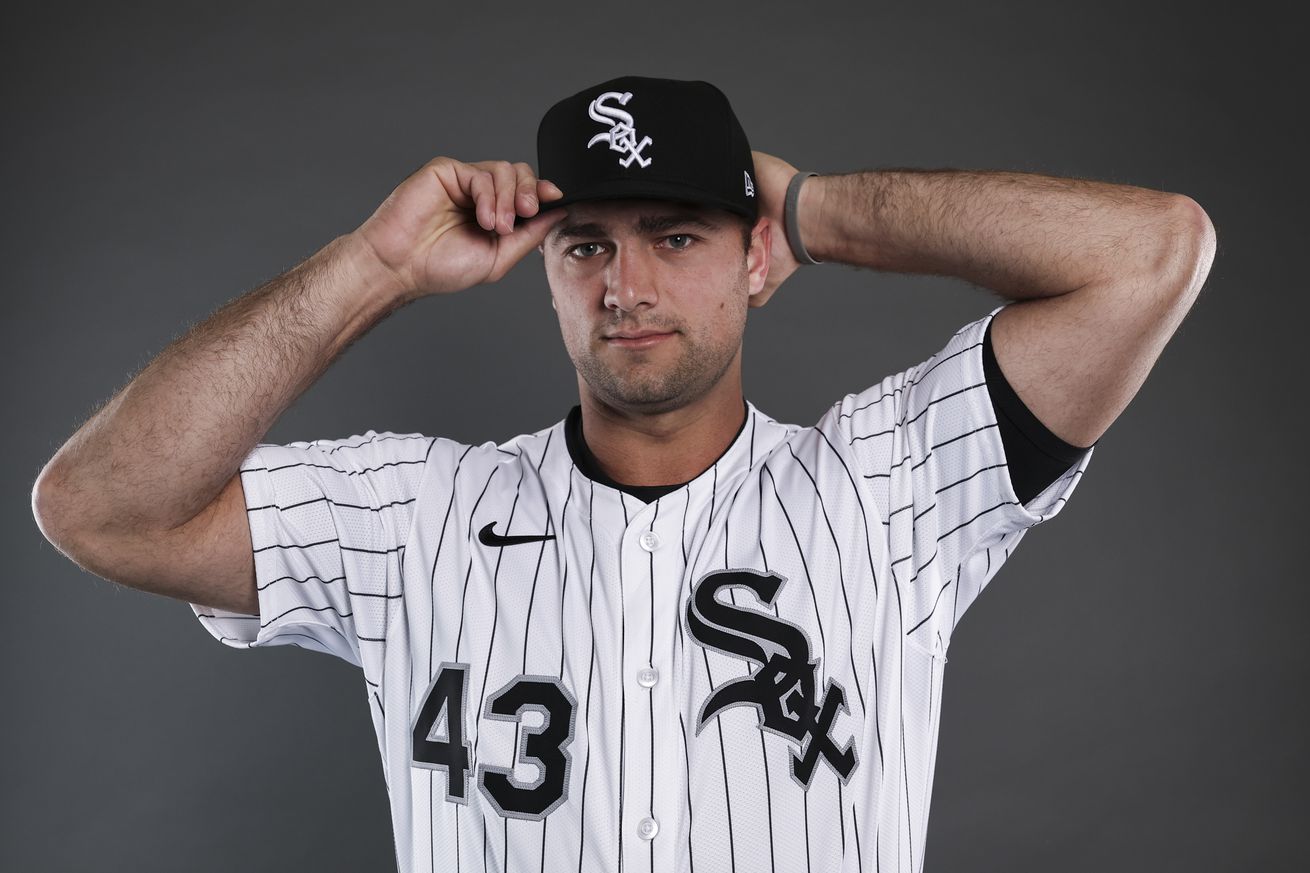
1020,234
164,446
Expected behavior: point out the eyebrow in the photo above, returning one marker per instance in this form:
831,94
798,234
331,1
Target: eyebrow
645,225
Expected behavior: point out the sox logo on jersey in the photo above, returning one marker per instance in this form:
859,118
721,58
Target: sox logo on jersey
565,676
782,685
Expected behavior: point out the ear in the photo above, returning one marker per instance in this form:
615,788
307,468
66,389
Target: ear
758,260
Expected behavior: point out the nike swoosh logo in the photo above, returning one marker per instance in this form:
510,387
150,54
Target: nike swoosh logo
488,537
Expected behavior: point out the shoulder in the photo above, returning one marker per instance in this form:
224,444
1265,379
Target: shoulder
471,464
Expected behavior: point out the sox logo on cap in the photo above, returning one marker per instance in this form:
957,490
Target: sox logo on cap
622,135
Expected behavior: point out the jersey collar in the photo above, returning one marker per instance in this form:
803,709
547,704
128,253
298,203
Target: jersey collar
587,464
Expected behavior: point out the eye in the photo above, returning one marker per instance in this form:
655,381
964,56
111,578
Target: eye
574,253
684,236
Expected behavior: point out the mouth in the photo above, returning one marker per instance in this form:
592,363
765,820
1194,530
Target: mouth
638,339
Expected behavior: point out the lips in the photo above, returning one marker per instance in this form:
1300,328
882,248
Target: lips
637,339
634,334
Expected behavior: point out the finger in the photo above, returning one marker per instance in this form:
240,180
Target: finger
457,178
511,248
506,181
548,190
482,188
525,199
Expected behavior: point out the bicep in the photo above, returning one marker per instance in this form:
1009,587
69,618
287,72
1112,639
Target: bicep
1034,456
217,566
1076,360
206,560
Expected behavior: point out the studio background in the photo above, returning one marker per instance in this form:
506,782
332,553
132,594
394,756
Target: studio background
1127,694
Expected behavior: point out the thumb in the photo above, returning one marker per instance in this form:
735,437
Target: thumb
527,235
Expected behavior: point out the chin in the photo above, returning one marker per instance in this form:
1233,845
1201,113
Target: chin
666,387
646,401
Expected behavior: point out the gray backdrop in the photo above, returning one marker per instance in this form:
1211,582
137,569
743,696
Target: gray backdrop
1127,694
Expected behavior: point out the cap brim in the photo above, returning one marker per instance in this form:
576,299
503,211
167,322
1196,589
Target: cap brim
643,189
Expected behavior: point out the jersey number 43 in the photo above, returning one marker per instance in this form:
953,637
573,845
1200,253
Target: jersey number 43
439,744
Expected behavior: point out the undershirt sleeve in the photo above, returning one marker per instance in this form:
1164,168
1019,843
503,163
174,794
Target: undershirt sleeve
1035,456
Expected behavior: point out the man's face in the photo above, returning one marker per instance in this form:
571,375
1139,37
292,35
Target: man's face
623,267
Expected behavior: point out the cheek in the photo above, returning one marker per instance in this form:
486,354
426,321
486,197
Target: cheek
573,326
720,324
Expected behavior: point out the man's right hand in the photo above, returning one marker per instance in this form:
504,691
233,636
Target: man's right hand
451,225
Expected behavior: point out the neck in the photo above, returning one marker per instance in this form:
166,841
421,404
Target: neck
664,448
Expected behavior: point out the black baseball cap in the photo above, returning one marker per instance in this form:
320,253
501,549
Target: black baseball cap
637,137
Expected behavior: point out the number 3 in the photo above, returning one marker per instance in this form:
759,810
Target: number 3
544,747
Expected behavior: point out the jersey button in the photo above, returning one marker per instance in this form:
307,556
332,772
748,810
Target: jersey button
647,828
647,677
650,541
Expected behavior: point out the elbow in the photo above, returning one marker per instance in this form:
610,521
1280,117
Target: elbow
48,509
55,507
42,505
1198,229
1187,251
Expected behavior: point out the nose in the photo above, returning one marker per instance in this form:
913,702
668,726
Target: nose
630,280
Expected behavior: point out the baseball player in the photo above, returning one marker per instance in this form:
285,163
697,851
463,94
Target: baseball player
668,632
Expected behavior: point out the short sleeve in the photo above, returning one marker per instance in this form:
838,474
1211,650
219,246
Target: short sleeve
928,445
329,521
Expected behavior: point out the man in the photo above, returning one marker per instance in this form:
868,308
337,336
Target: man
668,632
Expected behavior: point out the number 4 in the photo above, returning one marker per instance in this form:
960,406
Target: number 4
448,694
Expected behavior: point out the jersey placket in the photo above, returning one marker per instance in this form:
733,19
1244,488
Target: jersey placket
651,562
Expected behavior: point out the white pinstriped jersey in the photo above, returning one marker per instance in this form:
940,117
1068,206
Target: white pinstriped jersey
744,674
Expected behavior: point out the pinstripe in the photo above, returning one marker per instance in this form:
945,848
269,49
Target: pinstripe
650,698
591,664
495,615
686,756
623,697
